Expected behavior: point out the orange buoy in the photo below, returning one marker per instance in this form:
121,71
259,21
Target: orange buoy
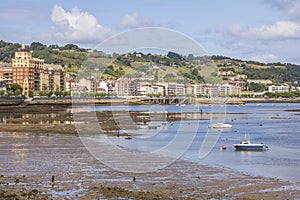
223,147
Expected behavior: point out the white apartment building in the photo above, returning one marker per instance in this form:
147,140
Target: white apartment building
210,90
281,88
176,89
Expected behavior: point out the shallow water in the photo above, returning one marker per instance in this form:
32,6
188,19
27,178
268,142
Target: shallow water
273,124
33,159
266,122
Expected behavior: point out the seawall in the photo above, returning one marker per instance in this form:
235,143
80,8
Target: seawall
5,101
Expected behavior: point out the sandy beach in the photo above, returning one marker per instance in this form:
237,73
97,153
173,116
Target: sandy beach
48,161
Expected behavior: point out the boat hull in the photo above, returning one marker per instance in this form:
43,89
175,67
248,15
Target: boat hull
220,125
251,147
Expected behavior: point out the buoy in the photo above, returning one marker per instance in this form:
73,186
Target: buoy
223,147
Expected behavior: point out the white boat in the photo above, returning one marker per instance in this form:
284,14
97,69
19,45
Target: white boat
220,125
247,145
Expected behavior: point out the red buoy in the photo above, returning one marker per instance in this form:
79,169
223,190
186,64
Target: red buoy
223,147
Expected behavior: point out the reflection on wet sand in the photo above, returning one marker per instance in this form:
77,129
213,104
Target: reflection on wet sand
58,166
30,160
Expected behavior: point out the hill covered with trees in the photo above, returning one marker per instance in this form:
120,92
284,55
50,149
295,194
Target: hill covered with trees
153,67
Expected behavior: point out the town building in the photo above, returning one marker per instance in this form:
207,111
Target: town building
175,89
189,90
260,81
144,89
90,84
202,90
26,70
159,89
70,84
6,76
229,90
281,88
106,86
102,87
210,90
32,75
126,87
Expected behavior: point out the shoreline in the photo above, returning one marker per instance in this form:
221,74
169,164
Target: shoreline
44,118
123,101
79,177
182,179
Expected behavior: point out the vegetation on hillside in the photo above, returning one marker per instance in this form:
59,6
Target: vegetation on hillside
276,72
169,67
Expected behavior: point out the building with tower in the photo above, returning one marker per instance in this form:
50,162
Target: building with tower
33,75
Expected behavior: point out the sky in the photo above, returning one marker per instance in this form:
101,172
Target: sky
259,30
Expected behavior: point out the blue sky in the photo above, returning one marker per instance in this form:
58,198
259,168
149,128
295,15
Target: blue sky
262,30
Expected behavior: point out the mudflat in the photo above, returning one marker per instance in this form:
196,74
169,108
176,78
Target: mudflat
57,166
39,162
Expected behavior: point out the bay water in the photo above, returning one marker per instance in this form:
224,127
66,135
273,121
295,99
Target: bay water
275,124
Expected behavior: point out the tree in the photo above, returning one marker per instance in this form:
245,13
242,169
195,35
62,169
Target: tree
195,72
53,46
175,56
190,57
70,47
37,46
156,76
16,89
30,93
256,87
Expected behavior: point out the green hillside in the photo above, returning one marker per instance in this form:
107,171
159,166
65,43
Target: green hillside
170,67
277,72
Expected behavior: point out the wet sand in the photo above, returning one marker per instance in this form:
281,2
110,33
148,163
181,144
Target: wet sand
38,162
56,166
46,118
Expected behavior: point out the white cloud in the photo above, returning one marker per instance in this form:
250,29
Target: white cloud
133,20
130,20
280,30
265,58
76,26
290,7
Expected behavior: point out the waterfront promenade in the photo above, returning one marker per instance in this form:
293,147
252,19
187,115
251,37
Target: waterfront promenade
4,101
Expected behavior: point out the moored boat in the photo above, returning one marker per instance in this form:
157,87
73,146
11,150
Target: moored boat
220,125
247,145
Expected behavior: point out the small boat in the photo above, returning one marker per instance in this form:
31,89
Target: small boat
247,145
142,123
220,125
